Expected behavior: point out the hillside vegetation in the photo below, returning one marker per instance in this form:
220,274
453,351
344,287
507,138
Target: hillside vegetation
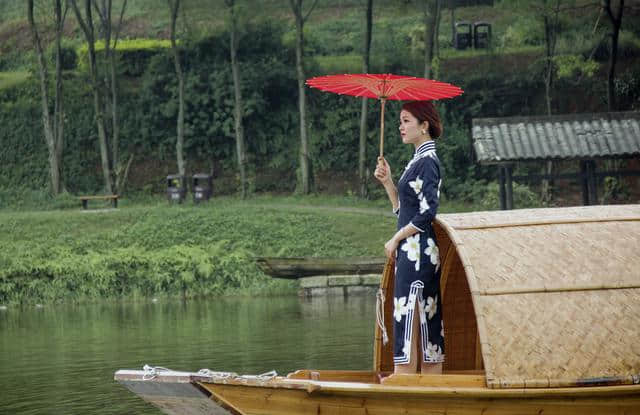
142,251
505,80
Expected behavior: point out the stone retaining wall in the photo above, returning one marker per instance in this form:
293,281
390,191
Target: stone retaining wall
344,285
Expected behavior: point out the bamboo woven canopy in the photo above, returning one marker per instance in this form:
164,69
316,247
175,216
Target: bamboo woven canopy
543,297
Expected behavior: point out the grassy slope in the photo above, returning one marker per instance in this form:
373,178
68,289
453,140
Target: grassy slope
263,221
156,249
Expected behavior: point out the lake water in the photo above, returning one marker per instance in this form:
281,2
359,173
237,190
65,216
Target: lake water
61,359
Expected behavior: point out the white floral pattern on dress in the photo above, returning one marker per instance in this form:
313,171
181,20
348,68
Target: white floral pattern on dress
416,185
400,308
406,350
422,311
424,206
412,248
433,252
432,306
434,354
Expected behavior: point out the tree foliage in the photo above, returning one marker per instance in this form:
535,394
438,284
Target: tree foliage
495,85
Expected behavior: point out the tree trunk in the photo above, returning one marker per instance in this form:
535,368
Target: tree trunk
58,126
611,75
175,7
89,32
121,172
302,104
436,41
238,108
430,22
104,13
109,97
453,22
296,6
550,36
117,168
616,22
362,153
53,128
551,28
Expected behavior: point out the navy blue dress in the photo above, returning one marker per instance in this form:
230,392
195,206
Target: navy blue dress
417,282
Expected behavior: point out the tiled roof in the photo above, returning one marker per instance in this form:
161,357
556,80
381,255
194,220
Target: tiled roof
569,136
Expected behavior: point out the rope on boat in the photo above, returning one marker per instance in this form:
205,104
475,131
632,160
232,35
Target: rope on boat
217,375
232,375
380,316
151,372
268,375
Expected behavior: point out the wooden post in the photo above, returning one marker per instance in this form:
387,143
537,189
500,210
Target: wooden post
583,181
509,186
503,197
591,182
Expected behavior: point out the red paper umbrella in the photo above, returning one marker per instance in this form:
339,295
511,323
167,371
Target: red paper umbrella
384,87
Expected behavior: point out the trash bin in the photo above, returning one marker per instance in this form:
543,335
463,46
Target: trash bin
481,35
202,187
176,188
463,35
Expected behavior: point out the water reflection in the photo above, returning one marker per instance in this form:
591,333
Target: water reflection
61,359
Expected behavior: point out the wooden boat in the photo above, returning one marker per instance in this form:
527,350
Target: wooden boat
541,311
293,268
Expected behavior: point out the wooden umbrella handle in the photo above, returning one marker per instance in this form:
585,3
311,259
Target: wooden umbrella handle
382,101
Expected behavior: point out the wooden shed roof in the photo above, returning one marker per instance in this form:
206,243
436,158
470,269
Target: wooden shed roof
569,136
555,294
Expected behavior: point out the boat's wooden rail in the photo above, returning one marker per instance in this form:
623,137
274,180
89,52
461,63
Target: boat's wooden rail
464,378
461,381
363,376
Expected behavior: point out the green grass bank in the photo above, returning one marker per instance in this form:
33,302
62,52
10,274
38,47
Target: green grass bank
141,251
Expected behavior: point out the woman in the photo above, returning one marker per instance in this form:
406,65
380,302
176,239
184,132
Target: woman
417,303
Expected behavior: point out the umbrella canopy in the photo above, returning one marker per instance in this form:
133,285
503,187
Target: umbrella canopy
384,87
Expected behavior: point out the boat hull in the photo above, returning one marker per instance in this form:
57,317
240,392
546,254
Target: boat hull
263,401
199,395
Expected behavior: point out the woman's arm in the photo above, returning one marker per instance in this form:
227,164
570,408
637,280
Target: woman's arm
403,233
383,174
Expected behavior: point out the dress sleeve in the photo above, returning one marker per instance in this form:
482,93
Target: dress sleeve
426,187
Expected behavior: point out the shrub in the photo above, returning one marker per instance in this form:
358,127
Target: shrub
133,55
526,30
571,66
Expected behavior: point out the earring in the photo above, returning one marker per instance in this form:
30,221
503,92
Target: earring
423,131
